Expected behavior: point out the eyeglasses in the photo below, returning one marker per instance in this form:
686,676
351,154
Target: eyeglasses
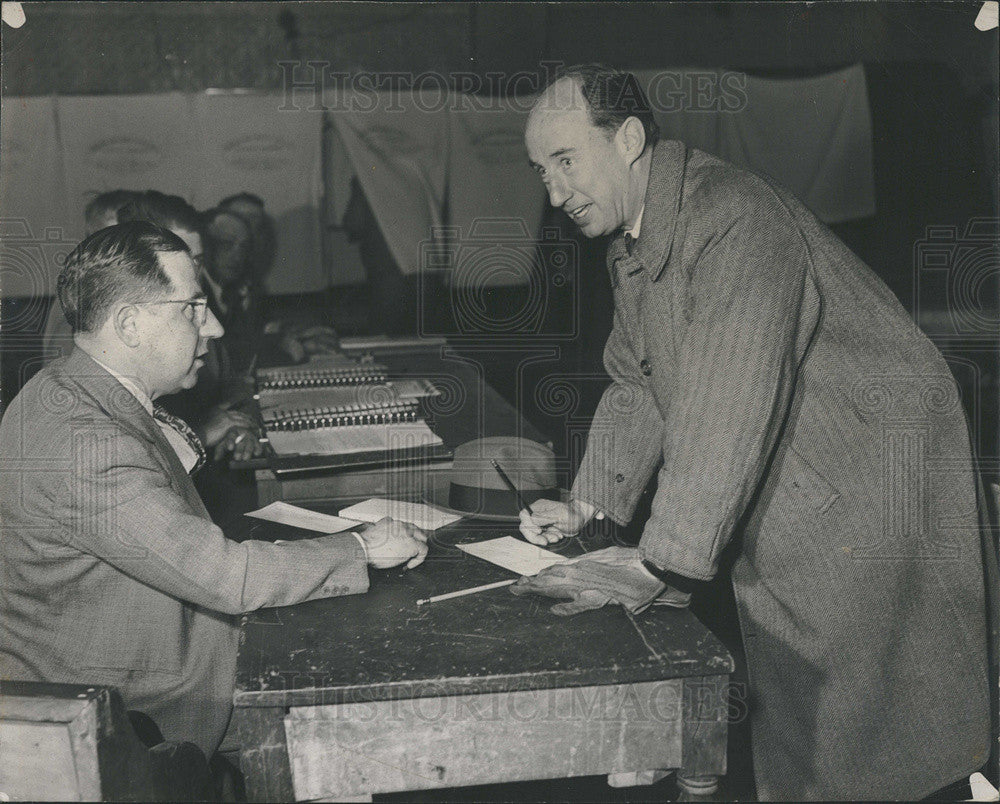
194,310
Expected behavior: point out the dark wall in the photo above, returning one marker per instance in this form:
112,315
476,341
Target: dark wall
134,47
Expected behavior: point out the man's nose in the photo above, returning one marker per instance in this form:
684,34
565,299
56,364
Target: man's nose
211,328
557,192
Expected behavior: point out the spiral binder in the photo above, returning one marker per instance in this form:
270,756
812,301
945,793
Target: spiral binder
325,411
305,377
339,416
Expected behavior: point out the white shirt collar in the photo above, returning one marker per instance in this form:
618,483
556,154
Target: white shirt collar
634,231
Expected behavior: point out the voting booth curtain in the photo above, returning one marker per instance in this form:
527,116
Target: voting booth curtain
201,146
812,135
438,169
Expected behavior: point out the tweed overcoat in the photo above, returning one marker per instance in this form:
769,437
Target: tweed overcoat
111,571
787,400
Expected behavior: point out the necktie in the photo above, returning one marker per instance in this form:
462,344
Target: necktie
629,243
189,436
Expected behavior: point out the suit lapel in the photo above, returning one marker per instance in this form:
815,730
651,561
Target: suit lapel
120,405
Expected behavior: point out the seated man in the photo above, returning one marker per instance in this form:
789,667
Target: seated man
102,211
263,240
110,570
242,237
235,295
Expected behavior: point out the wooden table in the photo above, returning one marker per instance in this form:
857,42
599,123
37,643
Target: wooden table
352,696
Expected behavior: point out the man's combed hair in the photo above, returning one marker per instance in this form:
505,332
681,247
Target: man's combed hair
242,198
116,264
612,97
111,201
168,211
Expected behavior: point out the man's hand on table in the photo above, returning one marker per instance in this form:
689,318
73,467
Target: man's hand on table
240,443
298,342
231,431
550,520
389,543
612,575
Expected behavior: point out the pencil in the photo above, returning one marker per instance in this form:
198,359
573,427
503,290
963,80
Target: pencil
512,487
463,592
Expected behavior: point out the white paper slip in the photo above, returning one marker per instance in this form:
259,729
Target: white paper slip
337,360
353,438
425,517
414,388
513,554
286,514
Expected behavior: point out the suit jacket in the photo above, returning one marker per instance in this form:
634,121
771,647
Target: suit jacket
112,572
786,399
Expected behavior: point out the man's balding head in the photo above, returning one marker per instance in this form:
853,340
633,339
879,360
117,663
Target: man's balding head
609,96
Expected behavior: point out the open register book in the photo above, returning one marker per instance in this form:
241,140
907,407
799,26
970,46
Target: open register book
343,419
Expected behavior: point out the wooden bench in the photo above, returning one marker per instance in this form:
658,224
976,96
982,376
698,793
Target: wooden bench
70,742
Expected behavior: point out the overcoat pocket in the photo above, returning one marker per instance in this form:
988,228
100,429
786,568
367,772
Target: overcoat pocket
807,481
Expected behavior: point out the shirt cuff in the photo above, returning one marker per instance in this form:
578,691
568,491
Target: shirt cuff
361,541
669,577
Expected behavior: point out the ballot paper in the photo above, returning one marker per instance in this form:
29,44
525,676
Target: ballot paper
353,439
414,388
286,514
513,554
425,517
328,361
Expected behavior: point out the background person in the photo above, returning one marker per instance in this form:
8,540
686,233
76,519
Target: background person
100,212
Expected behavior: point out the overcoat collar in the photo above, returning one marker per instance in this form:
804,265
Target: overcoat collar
662,206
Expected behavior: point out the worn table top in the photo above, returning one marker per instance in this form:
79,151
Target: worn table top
381,645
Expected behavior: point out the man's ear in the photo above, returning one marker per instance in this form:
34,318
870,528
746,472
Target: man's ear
631,139
126,323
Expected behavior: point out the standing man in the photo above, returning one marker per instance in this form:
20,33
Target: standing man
785,399
111,571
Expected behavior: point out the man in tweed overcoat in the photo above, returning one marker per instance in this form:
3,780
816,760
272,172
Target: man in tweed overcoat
785,399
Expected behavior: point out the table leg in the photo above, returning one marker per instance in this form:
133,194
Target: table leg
697,788
703,739
637,778
267,774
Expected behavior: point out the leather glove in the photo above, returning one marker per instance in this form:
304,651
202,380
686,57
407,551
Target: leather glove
596,579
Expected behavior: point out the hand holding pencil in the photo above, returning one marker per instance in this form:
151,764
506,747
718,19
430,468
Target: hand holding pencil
548,521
